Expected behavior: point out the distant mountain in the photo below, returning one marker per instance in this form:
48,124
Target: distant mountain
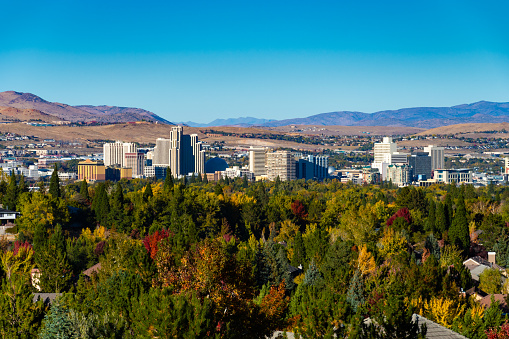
108,114
423,117
121,114
240,122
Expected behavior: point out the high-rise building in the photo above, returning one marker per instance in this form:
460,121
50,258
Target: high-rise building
312,167
161,156
421,165
182,159
257,161
114,153
280,164
437,156
383,148
399,174
135,161
198,154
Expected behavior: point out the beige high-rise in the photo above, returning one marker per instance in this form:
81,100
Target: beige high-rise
282,164
257,161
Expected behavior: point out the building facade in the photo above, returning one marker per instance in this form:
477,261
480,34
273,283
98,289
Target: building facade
91,171
280,164
257,161
399,174
161,153
459,176
114,153
421,165
437,156
135,161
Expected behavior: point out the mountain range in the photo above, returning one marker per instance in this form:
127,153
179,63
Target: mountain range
31,107
17,106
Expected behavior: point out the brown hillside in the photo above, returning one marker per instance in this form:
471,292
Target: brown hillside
16,114
467,128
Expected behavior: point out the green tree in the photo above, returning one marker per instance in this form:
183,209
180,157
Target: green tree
299,250
459,233
148,193
84,190
11,195
54,184
22,186
57,323
355,294
490,281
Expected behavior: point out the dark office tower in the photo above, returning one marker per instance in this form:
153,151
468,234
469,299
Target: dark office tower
181,152
421,165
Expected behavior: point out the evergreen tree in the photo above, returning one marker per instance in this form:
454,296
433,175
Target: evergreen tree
430,221
355,294
84,190
218,190
283,267
22,186
205,178
54,184
299,251
192,180
448,210
57,323
199,178
431,244
168,180
245,183
313,275
53,264
148,193
118,216
11,195
441,218
459,233
101,204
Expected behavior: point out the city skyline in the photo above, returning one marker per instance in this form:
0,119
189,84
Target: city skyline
265,60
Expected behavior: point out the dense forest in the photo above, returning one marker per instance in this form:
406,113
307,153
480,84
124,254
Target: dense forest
236,259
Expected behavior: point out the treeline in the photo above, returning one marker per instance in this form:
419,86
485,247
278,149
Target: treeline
233,259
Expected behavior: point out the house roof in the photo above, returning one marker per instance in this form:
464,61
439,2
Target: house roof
3,210
486,301
436,331
47,298
94,269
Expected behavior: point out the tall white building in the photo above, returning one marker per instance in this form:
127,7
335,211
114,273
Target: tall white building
437,156
257,161
198,154
161,155
383,148
114,153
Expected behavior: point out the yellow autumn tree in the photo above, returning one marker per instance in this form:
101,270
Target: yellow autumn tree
392,243
365,261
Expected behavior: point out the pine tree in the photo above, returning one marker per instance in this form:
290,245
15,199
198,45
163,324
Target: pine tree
432,246
299,251
205,178
11,195
441,218
355,294
53,264
22,187
430,221
283,268
245,183
101,204
148,193
459,232
168,180
192,180
448,210
54,184
199,178
84,190
313,275
57,323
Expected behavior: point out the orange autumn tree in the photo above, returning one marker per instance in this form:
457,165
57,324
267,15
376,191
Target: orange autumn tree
212,271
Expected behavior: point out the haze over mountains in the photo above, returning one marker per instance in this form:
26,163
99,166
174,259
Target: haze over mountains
17,106
36,108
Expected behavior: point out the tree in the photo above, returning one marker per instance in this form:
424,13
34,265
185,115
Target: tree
22,187
11,195
299,250
441,221
84,190
53,264
490,281
54,183
148,192
313,275
355,294
459,233
168,180
57,323
430,221
20,317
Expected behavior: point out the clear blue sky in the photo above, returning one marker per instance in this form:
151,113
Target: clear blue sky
202,60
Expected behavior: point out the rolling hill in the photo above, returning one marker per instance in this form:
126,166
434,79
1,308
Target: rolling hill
84,113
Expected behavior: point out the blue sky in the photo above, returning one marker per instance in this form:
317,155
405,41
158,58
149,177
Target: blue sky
202,60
